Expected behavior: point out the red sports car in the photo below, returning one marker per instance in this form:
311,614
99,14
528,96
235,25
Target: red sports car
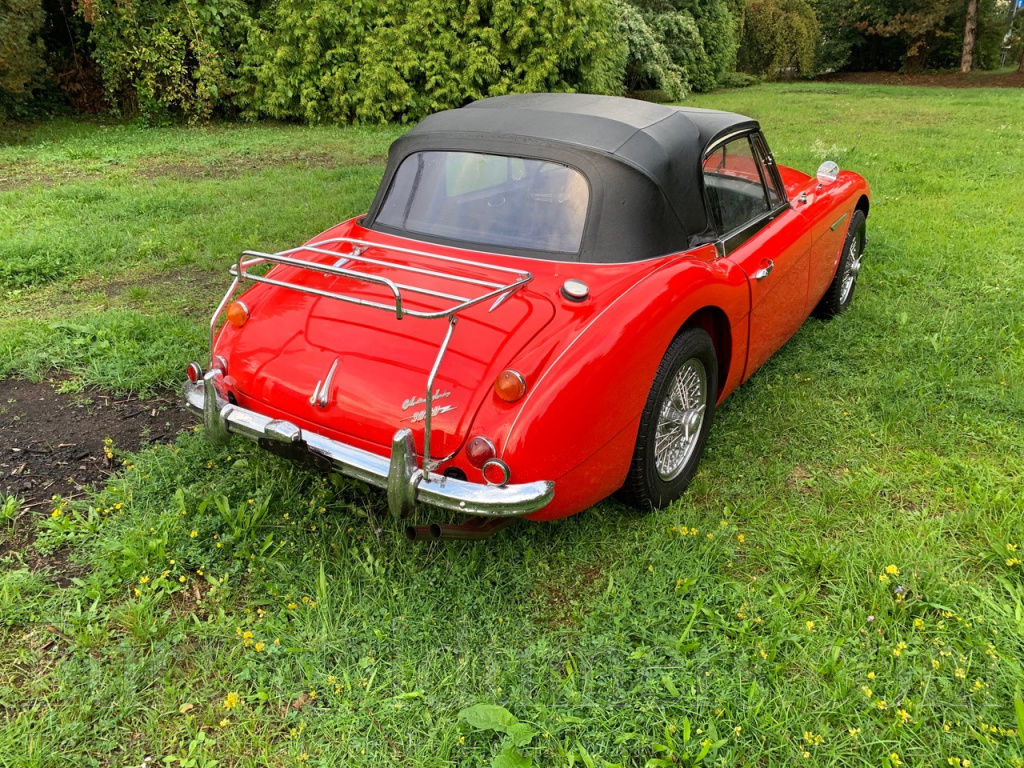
545,302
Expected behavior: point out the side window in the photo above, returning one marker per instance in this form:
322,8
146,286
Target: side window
765,160
734,187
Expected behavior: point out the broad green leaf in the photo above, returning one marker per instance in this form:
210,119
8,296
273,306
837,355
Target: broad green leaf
488,717
520,734
510,758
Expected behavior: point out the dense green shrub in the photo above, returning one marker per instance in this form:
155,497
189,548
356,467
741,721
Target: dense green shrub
649,69
167,58
324,60
780,38
707,57
21,49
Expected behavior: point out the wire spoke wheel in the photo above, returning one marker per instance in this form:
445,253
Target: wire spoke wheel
853,259
680,419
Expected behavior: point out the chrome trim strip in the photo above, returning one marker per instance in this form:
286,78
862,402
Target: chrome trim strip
840,221
407,484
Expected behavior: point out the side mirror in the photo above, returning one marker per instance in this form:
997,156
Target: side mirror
828,172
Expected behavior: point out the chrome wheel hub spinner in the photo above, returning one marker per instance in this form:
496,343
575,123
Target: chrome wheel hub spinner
680,419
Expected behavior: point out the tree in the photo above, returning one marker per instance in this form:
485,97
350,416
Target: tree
970,35
21,50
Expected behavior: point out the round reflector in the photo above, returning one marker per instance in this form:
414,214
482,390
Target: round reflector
496,472
478,450
510,385
194,372
237,313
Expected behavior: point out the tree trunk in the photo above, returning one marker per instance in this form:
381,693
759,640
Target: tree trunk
970,35
1021,67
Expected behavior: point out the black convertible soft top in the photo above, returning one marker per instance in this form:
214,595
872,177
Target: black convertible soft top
643,162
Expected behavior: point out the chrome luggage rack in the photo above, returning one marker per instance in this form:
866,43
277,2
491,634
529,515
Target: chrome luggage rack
498,288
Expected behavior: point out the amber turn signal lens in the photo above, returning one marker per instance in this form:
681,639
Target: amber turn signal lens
478,450
237,313
510,385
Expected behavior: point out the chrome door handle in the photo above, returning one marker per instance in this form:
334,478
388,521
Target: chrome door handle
764,271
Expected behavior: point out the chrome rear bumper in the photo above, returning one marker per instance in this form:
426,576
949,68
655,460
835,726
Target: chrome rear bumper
405,483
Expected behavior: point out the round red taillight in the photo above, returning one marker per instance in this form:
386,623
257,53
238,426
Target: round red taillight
510,385
194,372
237,313
496,472
478,450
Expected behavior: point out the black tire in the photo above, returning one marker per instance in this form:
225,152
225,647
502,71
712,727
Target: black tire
837,298
653,485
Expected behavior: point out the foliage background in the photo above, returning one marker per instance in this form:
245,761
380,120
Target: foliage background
320,61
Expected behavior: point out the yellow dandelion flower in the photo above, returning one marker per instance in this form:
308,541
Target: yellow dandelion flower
462,739
866,691
959,674
277,641
892,570
182,579
312,694
854,732
56,513
882,577
231,701
871,675
918,624
738,729
144,580
881,704
935,664
741,538
224,723
809,625
903,715
899,649
1011,547
806,754
292,606
895,760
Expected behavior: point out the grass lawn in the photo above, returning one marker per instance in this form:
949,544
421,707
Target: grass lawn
841,586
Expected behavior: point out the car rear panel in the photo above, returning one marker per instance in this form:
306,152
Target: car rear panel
381,363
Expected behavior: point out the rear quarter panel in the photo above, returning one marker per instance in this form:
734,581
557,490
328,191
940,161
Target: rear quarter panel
577,424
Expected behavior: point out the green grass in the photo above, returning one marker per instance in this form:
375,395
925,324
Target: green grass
890,436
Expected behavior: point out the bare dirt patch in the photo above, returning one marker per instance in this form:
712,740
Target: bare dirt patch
53,443
931,79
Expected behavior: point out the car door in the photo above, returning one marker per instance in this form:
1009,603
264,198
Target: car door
763,236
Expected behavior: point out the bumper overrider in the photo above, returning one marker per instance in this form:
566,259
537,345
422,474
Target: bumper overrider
406,484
